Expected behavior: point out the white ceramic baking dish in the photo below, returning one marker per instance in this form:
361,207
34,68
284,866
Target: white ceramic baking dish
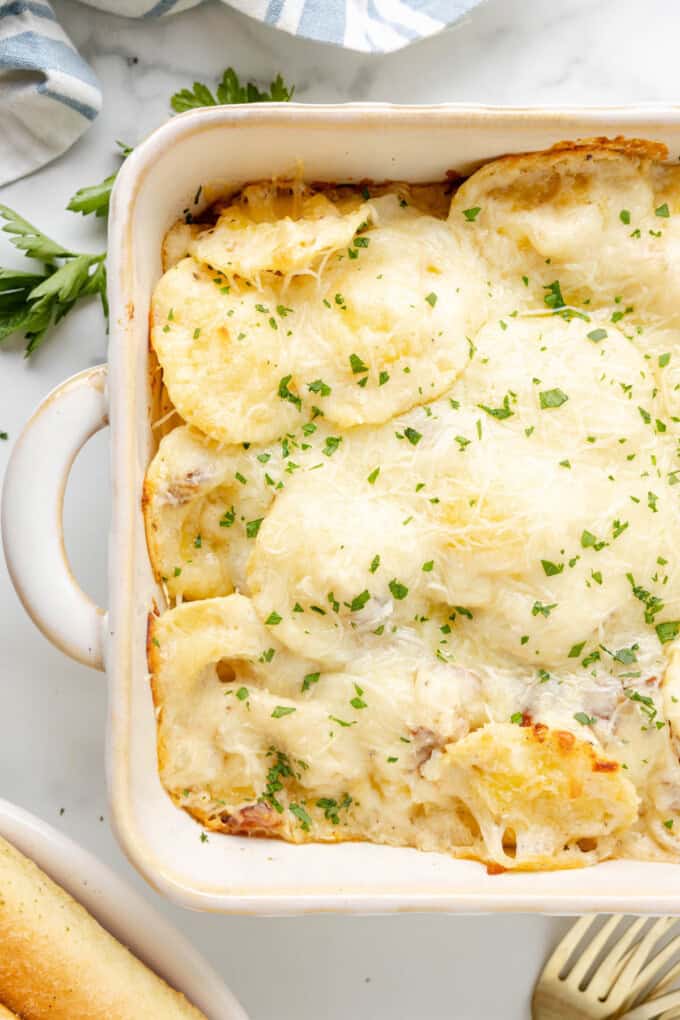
231,145
120,910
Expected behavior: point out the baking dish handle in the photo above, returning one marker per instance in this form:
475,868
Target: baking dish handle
32,512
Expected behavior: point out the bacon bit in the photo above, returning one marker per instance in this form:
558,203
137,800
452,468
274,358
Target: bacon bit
565,739
185,488
426,741
540,731
652,680
526,719
253,820
494,869
605,766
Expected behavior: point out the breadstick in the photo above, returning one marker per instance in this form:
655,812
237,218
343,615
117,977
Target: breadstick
58,963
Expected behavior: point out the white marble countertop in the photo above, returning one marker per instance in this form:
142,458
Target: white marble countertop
52,711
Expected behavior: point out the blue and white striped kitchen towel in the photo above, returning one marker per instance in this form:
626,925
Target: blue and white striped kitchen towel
49,95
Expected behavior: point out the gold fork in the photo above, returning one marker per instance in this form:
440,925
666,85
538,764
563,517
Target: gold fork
599,986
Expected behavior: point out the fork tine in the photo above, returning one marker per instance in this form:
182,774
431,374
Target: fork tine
616,961
566,947
653,1007
593,949
621,991
655,965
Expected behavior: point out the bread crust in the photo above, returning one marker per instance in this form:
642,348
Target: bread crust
57,962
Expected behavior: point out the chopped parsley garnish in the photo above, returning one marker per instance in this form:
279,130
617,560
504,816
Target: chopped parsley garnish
282,710
663,211
647,706
309,679
668,630
358,701
228,518
618,527
252,527
552,398
427,567
383,378
239,478
626,656
543,610
472,214
576,650
431,299
330,807
553,296
597,334
286,394
588,541
551,569
399,590
375,563
320,387
664,359
585,720
462,611
242,693
498,412
624,216
590,659
358,602
198,542
373,476
281,769
301,815
516,718
331,445
342,722
357,365
413,436
273,619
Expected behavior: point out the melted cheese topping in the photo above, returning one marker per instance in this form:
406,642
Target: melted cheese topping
421,525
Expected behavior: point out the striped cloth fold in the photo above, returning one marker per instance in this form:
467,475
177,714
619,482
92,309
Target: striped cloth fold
49,95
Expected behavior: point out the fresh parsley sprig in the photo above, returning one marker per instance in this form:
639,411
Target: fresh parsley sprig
230,91
34,301
96,198
31,302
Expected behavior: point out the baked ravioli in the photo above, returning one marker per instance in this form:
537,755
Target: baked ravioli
417,524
